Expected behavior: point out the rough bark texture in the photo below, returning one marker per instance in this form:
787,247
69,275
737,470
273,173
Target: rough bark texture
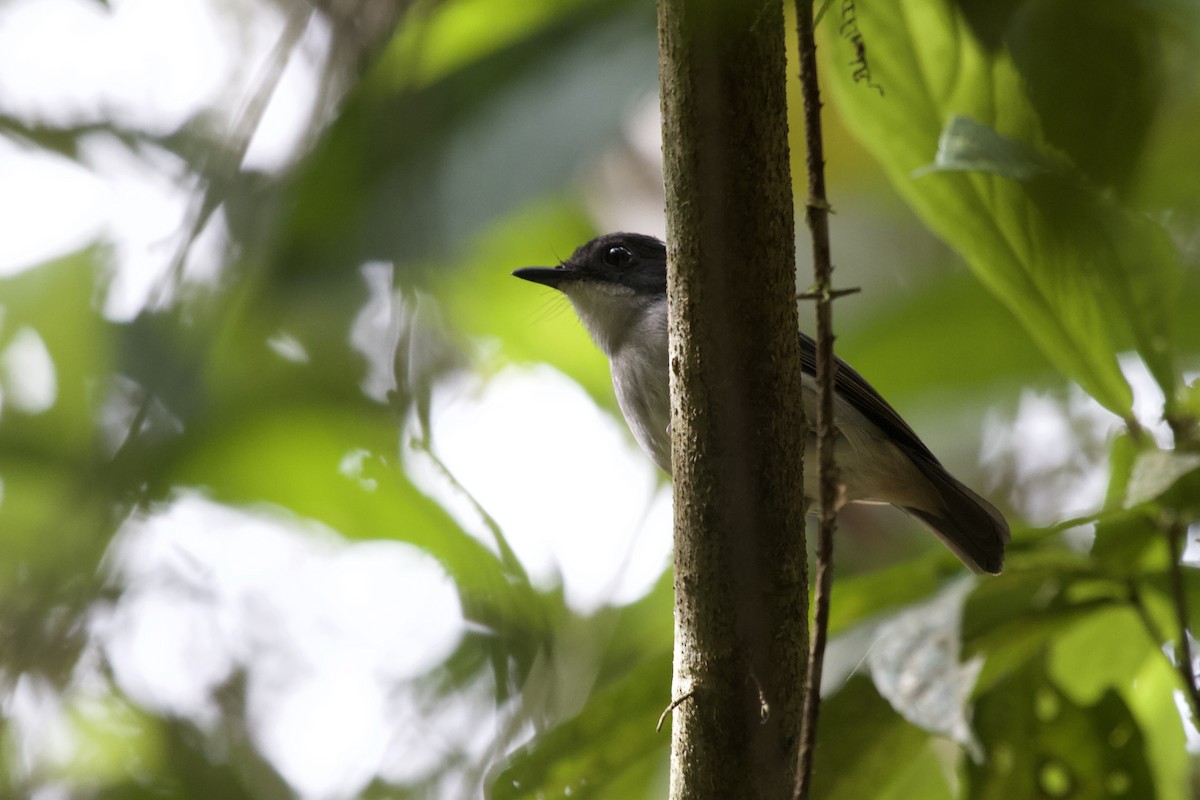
740,583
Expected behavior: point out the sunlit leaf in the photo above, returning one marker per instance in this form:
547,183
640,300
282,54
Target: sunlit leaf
1060,256
1151,696
35,303
1102,651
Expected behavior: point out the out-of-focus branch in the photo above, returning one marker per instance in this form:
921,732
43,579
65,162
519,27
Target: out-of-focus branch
1175,530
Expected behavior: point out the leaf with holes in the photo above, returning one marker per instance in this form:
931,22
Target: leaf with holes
1041,744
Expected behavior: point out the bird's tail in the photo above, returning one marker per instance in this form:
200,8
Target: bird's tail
969,525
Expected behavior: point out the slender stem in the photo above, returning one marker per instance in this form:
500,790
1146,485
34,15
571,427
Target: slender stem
1175,530
817,217
507,556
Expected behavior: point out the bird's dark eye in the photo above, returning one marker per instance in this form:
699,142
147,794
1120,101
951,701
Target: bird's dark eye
617,256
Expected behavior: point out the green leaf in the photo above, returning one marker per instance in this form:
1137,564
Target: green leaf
1103,651
1121,459
1129,544
1093,71
917,340
478,142
1151,696
1010,620
335,465
1081,273
868,594
592,754
56,506
865,749
52,304
1156,472
1040,743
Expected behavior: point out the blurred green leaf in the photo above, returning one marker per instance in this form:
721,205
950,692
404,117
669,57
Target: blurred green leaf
483,140
1151,696
1060,256
590,755
338,466
112,739
1040,743
56,513
54,303
1096,75
1012,619
1102,651
445,37
641,630
1112,651
611,748
1121,459
1129,544
1172,478
865,749
865,595
925,337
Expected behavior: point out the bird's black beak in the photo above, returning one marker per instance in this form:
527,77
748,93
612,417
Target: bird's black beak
547,276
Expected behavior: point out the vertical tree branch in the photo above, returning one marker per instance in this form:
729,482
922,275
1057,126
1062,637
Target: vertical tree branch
817,217
740,583
1175,530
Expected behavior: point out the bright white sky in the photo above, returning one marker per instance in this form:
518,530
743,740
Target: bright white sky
325,629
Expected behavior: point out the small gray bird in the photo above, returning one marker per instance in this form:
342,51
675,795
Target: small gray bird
618,286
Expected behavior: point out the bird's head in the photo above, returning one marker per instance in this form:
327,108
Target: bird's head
609,280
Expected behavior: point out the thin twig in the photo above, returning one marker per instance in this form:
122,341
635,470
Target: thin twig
246,121
832,294
1175,529
817,217
676,703
507,556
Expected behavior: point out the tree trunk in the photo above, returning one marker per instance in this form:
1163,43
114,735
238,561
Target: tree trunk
740,577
